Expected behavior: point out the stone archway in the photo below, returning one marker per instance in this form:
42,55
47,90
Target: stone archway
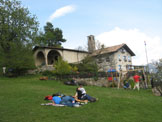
53,56
40,59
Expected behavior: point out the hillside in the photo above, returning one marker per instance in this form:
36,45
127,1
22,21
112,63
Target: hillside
20,100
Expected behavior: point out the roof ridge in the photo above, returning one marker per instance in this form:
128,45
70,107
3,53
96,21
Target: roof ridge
108,49
117,45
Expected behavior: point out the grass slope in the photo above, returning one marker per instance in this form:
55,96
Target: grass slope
20,100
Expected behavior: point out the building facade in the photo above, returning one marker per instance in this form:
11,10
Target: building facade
118,57
46,56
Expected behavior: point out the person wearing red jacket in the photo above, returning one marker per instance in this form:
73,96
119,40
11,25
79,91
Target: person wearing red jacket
136,78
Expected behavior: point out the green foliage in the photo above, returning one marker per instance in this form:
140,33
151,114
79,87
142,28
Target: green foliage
95,78
18,59
131,82
51,37
157,77
47,73
17,31
112,84
62,67
75,69
88,65
16,24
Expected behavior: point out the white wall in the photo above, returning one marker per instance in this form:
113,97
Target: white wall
122,62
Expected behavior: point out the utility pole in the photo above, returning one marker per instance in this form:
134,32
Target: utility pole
147,67
146,55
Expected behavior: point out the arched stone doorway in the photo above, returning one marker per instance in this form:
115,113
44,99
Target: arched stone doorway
52,57
40,59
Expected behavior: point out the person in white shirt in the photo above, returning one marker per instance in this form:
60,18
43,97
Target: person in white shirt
82,95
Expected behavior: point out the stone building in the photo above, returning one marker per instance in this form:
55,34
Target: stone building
117,57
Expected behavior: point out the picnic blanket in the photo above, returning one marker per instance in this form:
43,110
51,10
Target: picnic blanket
51,104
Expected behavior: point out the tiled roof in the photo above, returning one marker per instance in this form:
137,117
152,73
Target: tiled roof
112,49
47,47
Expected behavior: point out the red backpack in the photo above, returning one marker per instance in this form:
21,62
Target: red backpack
48,98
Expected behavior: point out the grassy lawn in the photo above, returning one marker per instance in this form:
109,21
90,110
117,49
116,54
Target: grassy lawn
20,100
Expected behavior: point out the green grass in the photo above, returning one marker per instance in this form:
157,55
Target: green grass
20,100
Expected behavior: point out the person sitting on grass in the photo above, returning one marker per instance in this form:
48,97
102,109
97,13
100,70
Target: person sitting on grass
82,95
126,85
64,100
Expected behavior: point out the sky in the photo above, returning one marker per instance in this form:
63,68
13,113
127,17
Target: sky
112,22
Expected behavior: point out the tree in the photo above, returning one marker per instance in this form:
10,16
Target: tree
156,78
51,36
18,29
158,75
99,45
80,48
88,64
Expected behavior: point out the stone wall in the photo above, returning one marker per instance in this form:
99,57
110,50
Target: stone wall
105,62
102,82
113,60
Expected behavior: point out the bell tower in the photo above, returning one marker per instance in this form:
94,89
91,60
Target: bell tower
91,43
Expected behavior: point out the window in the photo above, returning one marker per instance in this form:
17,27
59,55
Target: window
100,60
129,67
107,59
125,58
119,58
122,50
129,58
119,67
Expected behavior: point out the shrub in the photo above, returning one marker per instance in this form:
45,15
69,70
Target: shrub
62,67
131,82
95,78
88,65
113,84
47,73
75,69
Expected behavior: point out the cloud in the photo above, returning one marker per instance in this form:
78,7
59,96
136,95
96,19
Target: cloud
61,12
134,38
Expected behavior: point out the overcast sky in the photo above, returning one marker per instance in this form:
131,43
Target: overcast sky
110,21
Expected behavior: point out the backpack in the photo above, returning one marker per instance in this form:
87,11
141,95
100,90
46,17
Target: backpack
48,98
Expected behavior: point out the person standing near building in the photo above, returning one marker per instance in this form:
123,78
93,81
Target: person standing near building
136,78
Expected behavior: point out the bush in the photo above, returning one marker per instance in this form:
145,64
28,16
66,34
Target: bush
18,60
88,65
95,78
62,67
113,84
47,73
131,82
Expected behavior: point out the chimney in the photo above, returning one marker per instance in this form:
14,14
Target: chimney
91,43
